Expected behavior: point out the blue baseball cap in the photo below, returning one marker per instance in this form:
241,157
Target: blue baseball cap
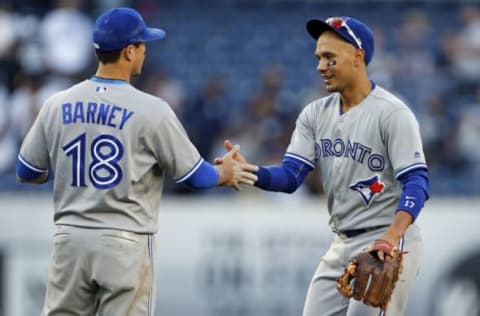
352,30
119,27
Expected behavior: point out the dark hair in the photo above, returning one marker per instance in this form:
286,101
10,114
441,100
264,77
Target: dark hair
112,56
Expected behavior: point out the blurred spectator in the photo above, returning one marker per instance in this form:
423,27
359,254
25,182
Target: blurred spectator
103,5
382,66
25,104
414,41
66,34
415,69
7,31
8,40
29,51
156,81
207,118
311,94
469,133
467,56
435,127
452,161
28,98
446,52
8,148
266,128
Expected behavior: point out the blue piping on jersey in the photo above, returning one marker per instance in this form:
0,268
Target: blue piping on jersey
204,176
302,159
27,171
31,166
414,166
106,80
152,280
190,172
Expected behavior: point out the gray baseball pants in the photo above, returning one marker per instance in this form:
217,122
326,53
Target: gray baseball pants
323,298
100,272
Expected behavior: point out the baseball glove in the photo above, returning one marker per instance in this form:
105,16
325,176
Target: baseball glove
369,279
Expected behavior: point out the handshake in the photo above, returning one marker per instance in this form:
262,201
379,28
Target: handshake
233,169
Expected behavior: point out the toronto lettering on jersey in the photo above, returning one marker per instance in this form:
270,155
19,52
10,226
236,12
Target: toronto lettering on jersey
94,113
353,150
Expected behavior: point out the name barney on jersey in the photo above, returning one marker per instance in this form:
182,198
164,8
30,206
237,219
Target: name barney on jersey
354,150
91,112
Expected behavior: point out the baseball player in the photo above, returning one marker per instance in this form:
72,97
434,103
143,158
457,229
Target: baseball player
110,147
367,145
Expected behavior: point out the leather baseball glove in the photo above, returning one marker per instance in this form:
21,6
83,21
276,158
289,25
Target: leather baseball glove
369,279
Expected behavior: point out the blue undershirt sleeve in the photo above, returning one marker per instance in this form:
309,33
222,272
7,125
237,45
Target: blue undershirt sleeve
286,177
206,176
416,188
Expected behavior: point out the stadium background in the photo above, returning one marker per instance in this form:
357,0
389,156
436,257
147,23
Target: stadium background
243,69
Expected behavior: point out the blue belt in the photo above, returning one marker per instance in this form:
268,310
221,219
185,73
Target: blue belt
355,232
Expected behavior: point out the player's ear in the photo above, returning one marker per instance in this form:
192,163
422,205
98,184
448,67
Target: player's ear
359,57
129,52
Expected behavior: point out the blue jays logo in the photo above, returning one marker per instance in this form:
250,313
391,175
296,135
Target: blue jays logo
368,188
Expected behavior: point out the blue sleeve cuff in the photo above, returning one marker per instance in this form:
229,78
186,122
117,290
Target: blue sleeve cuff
205,176
27,171
415,192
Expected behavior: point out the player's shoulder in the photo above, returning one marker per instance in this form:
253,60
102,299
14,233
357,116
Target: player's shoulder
154,111
151,103
389,107
386,101
326,103
151,99
57,98
320,110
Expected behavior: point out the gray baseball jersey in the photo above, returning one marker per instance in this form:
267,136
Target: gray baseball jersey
360,154
110,146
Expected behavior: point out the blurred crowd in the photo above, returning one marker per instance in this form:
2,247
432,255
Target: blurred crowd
244,70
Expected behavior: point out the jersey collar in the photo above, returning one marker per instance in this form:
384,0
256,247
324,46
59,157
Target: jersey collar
107,80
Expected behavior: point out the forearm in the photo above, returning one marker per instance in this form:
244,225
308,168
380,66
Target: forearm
229,173
275,179
286,177
205,176
397,228
415,192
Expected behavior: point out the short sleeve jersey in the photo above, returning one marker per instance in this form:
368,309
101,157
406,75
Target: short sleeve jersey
110,147
360,154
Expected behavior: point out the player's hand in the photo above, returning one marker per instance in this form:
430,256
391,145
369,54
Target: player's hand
229,146
232,172
394,232
383,248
